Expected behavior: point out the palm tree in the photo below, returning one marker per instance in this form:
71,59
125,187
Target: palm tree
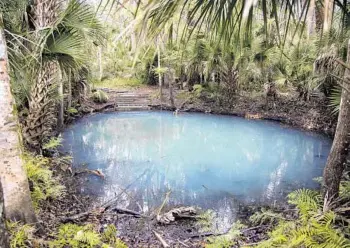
227,17
61,42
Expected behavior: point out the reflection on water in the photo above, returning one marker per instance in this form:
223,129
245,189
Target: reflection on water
210,161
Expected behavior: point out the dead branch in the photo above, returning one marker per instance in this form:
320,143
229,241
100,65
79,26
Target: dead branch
208,234
101,210
128,211
93,172
162,241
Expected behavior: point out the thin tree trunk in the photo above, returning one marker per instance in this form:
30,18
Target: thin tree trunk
171,88
337,158
60,119
160,77
99,54
311,18
328,14
15,187
69,98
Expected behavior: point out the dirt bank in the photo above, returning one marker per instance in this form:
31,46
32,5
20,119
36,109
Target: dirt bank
314,115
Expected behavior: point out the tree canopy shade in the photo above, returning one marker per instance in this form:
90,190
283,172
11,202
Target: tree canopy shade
226,18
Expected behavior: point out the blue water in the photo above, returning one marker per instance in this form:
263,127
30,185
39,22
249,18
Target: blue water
210,161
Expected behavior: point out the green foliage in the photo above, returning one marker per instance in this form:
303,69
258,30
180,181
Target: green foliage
19,234
100,96
265,216
72,111
315,227
75,236
43,184
335,98
118,83
53,143
197,89
205,221
160,70
227,240
67,43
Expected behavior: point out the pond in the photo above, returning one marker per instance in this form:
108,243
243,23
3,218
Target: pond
210,161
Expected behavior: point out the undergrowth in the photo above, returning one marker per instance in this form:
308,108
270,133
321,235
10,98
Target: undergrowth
67,235
317,226
74,236
99,96
53,143
43,185
20,235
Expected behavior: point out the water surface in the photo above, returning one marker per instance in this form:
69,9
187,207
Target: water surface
210,161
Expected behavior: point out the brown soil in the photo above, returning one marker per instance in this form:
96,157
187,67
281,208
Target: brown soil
288,109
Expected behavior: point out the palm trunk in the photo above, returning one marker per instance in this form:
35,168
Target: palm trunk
337,158
15,187
41,118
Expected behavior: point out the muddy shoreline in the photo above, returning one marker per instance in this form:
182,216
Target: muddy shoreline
138,232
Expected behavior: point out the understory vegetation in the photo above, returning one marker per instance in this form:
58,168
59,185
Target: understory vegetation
67,57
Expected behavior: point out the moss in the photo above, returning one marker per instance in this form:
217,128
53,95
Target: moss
99,96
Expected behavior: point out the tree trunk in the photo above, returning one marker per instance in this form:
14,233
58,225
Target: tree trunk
69,98
171,76
100,67
4,238
160,77
337,158
18,204
311,18
60,120
41,117
328,14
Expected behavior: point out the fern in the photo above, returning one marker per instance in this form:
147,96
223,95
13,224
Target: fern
43,184
313,228
227,240
53,143
74,236
19,234
344,190
265,216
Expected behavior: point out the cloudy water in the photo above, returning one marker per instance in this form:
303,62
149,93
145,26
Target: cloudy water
210,161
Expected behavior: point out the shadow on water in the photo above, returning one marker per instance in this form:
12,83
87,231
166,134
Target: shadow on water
209,161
